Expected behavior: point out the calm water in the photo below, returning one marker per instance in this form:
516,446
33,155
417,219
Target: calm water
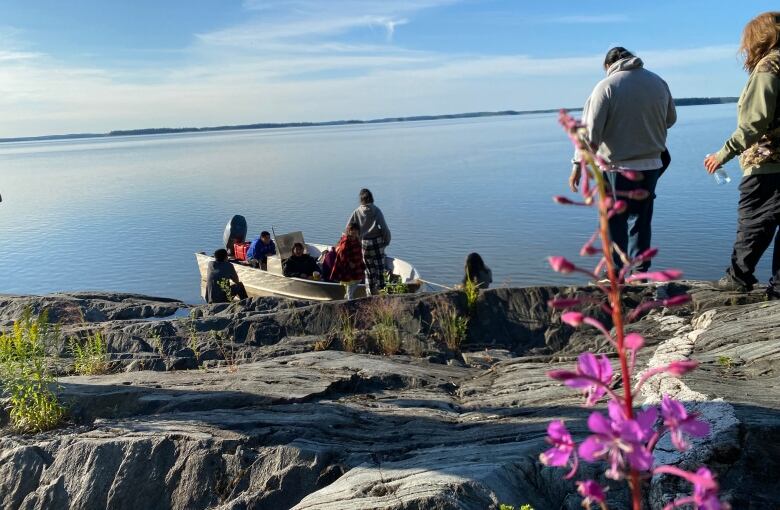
128,213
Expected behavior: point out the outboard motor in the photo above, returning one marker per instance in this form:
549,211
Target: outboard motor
235,231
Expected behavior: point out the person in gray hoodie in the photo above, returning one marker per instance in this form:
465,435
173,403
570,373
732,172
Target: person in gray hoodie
374,238
627,116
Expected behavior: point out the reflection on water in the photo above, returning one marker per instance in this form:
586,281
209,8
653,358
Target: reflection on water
128,213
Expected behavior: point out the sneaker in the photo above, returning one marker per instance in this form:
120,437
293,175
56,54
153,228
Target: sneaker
729,283
772,294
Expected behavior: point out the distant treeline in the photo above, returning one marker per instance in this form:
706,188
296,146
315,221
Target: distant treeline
686,101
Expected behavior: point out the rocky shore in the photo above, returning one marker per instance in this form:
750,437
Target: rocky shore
256,405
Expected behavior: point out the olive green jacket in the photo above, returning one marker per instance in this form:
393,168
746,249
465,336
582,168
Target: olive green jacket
757,138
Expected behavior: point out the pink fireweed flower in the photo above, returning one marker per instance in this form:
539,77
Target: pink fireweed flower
632,175
678,421
592,493
705,489
573,319
634,341
675,369
620,207
619,441
666,275
564,302
589,250
563,452
646,255
680,300
593,376
638,194
561,265
680,368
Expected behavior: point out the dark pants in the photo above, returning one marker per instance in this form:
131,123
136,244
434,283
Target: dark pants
631,231
237,289
757,225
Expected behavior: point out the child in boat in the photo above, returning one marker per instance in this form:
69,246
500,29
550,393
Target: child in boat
301,265
349,268
477,271
220,276
259,250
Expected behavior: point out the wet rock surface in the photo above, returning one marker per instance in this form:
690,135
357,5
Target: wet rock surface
254,405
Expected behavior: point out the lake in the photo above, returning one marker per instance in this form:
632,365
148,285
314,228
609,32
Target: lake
128,213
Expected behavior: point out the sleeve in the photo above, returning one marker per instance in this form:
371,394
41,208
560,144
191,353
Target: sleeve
352,219
385,229
577,158
759,103
233,274
671,111
594,116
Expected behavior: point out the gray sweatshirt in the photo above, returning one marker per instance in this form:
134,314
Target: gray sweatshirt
627,116
371,221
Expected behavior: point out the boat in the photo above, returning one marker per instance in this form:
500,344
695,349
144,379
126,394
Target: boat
272,282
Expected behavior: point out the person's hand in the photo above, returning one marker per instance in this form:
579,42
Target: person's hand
574,178
711,163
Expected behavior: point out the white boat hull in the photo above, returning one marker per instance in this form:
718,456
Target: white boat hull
272,283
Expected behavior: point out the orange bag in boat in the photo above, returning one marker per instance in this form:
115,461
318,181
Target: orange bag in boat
240,249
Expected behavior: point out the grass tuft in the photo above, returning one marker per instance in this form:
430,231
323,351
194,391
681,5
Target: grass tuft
91,357
449,325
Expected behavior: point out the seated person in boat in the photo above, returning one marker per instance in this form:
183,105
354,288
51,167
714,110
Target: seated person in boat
477,271
349,268
221,279
301,265
259,250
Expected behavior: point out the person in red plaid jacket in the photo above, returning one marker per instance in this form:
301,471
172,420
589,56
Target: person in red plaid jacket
349,268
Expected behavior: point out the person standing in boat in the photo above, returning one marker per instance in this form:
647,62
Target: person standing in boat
374,238
259,250
348,267
220,278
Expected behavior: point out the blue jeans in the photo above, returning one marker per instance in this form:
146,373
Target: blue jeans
631,231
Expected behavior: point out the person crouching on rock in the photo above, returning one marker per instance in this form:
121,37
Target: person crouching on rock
349,268
259,250
222,283
374,238
301,265
477,271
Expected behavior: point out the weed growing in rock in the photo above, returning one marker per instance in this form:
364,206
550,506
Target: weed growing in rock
193,340
450,326
227,350
348,331
385,314
393,285
91,356
625,438
25,374
725,362
471,291
323,344
510,507
226,287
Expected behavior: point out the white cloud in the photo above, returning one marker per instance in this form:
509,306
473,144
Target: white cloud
291,64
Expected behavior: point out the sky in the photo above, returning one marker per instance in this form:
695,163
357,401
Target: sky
95,65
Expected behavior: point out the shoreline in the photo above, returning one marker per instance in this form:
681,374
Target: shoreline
684,101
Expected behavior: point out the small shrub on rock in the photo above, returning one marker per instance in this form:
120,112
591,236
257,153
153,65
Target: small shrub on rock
91,356
25,374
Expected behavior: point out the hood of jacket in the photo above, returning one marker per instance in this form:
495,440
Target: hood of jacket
626,64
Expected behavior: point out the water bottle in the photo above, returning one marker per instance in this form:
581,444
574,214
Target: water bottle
721,177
